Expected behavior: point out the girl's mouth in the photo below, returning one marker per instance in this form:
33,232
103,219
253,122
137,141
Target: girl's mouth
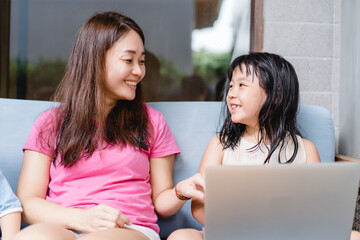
234,106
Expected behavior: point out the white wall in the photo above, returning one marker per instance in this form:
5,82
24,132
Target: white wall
307,33
349,139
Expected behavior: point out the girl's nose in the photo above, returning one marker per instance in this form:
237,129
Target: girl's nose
230,95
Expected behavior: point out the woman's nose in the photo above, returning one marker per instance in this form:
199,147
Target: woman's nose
138,69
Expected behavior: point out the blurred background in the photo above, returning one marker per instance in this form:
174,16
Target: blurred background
189,45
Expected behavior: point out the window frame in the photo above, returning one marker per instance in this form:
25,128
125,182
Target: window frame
4,47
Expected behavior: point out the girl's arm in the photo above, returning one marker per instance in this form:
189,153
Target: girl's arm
32,187
164,197
213,155
355,235
312,154
10,225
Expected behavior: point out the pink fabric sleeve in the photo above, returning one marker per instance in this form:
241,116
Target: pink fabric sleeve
41,144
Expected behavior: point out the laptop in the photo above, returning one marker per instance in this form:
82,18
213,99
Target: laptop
281,202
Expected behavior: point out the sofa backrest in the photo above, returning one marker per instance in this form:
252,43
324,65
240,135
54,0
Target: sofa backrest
192,123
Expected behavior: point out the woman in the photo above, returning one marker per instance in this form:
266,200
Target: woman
100,165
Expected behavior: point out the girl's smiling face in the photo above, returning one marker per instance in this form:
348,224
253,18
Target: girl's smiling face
124,67
245,97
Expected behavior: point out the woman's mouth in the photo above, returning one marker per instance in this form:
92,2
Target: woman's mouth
131,83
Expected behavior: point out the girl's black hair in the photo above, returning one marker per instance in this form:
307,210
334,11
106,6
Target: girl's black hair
277,117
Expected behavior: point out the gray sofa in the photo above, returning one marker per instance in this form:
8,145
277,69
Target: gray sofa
192,123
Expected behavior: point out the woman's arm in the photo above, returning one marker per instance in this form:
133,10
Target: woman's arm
164,197
312,154
32,187
10,225
213,155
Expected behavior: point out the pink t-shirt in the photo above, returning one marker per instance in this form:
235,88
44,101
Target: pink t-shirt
118,177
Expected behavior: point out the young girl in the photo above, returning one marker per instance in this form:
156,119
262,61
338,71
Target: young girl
10,210
100,165
262,95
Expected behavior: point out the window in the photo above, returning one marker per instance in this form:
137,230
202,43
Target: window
189,43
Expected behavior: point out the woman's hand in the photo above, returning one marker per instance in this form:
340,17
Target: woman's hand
101,217
192,187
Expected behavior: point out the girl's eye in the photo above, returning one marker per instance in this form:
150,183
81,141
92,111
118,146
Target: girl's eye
142,62
128,60
230,86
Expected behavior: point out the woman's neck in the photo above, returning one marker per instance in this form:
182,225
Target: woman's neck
108,107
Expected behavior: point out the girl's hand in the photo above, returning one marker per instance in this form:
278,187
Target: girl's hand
192,187
101,217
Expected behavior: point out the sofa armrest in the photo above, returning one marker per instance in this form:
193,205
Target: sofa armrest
339,157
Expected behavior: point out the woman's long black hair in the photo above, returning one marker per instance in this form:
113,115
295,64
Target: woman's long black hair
277,117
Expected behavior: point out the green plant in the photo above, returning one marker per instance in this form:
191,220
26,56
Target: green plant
211,66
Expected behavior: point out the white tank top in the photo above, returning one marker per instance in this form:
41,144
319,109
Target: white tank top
245,154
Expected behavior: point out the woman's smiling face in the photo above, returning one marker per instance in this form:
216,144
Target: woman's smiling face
124,67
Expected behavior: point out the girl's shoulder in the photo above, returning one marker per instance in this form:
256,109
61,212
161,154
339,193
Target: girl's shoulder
312,154
213,154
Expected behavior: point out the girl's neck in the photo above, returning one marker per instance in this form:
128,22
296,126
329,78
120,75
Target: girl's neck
253,135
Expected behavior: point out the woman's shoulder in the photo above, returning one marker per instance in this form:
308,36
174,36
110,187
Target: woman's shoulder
151,110
48,115
154,114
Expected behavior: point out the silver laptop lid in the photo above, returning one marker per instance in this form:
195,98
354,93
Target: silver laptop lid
281,202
